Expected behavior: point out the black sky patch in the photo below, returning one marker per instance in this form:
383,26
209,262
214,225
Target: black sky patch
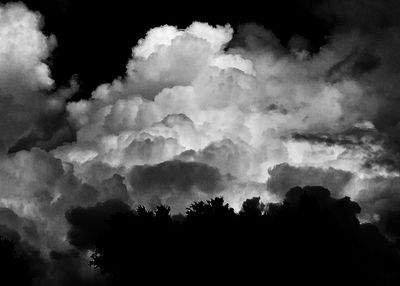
366,15
95,40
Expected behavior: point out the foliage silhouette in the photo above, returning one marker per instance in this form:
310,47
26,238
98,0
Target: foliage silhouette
14,267
309,238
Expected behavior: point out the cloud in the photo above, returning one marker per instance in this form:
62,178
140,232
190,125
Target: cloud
26,96
229,157
174,99
174,182
201,111
168,57
245,104
23,50
37,189
284,177
26,228
176,174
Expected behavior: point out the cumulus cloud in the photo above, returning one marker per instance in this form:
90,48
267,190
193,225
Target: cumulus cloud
36,186
201,111
23,49
241,103
247,99
25,84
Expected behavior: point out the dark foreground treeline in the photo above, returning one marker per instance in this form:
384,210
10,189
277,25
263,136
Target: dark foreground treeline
309,239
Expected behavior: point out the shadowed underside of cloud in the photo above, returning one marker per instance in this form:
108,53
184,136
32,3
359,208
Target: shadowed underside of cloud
176,182
50,131
176,175
283,177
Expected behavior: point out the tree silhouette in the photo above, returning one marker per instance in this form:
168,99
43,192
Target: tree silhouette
13,266
309,238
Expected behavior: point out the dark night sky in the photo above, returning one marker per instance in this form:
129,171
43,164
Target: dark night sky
94,40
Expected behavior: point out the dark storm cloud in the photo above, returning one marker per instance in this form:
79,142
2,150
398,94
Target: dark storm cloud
360,138
389,158
229,157
353,65
175,183
25,227
283,177
50,131
327,139
349,138
256,38
367,31
176,175
379,195
365,34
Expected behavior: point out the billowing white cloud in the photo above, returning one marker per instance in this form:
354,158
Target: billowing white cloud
24,75
22,51
243,109
36,188
186,96
202,102
201,112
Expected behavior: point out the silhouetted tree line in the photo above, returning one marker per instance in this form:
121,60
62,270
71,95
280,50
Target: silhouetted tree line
308,239
14,266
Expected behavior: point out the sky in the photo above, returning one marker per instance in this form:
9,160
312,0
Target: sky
173,103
